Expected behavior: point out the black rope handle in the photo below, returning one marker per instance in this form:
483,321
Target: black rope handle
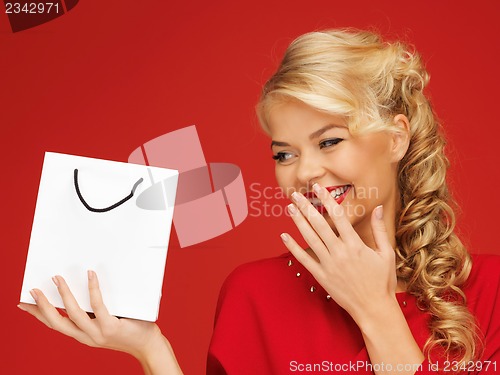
77,188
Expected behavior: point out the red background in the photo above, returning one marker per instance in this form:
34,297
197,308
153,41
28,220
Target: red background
111,75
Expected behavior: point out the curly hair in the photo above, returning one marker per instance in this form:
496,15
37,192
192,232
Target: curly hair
354,74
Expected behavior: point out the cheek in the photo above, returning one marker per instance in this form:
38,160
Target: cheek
282,179
374,180
368,169
285,178
352,166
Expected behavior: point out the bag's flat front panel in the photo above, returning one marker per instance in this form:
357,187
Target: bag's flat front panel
126,246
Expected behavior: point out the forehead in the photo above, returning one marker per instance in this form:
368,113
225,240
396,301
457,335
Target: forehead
295,117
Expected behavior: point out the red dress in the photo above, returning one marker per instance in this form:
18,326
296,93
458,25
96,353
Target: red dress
274,318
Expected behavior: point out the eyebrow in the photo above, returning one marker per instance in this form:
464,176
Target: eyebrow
312,136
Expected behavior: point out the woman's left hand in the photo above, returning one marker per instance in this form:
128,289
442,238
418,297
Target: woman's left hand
360,279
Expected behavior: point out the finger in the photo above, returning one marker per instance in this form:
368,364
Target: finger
302,256
96,302
337,214
308,233
380,232
75,313
33,310
316,220
48,314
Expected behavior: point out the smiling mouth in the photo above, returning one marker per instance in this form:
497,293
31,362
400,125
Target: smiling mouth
338,192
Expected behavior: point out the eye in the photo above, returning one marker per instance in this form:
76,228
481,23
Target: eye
330,142
283,157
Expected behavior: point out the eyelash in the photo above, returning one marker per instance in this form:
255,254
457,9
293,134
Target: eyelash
334,141
279,157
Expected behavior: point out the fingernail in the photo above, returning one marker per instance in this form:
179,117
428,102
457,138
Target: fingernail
90,274
317,188
55,281
296,196
21,308
379,212
292,209
284,237
34,295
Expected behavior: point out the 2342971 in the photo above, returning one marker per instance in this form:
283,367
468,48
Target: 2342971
31,8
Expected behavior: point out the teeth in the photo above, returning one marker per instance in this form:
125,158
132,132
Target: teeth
338,192
334,193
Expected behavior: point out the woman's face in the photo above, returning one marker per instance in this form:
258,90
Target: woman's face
310,146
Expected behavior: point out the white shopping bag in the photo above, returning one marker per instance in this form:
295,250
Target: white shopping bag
110,217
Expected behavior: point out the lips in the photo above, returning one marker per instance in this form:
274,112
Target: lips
338,192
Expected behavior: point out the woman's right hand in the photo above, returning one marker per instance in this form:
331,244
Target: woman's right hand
141,339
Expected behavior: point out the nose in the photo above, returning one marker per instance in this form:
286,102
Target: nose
309,169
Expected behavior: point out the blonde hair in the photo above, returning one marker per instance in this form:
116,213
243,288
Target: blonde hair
355,74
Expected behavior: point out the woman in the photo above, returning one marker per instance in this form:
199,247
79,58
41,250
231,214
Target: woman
385,285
